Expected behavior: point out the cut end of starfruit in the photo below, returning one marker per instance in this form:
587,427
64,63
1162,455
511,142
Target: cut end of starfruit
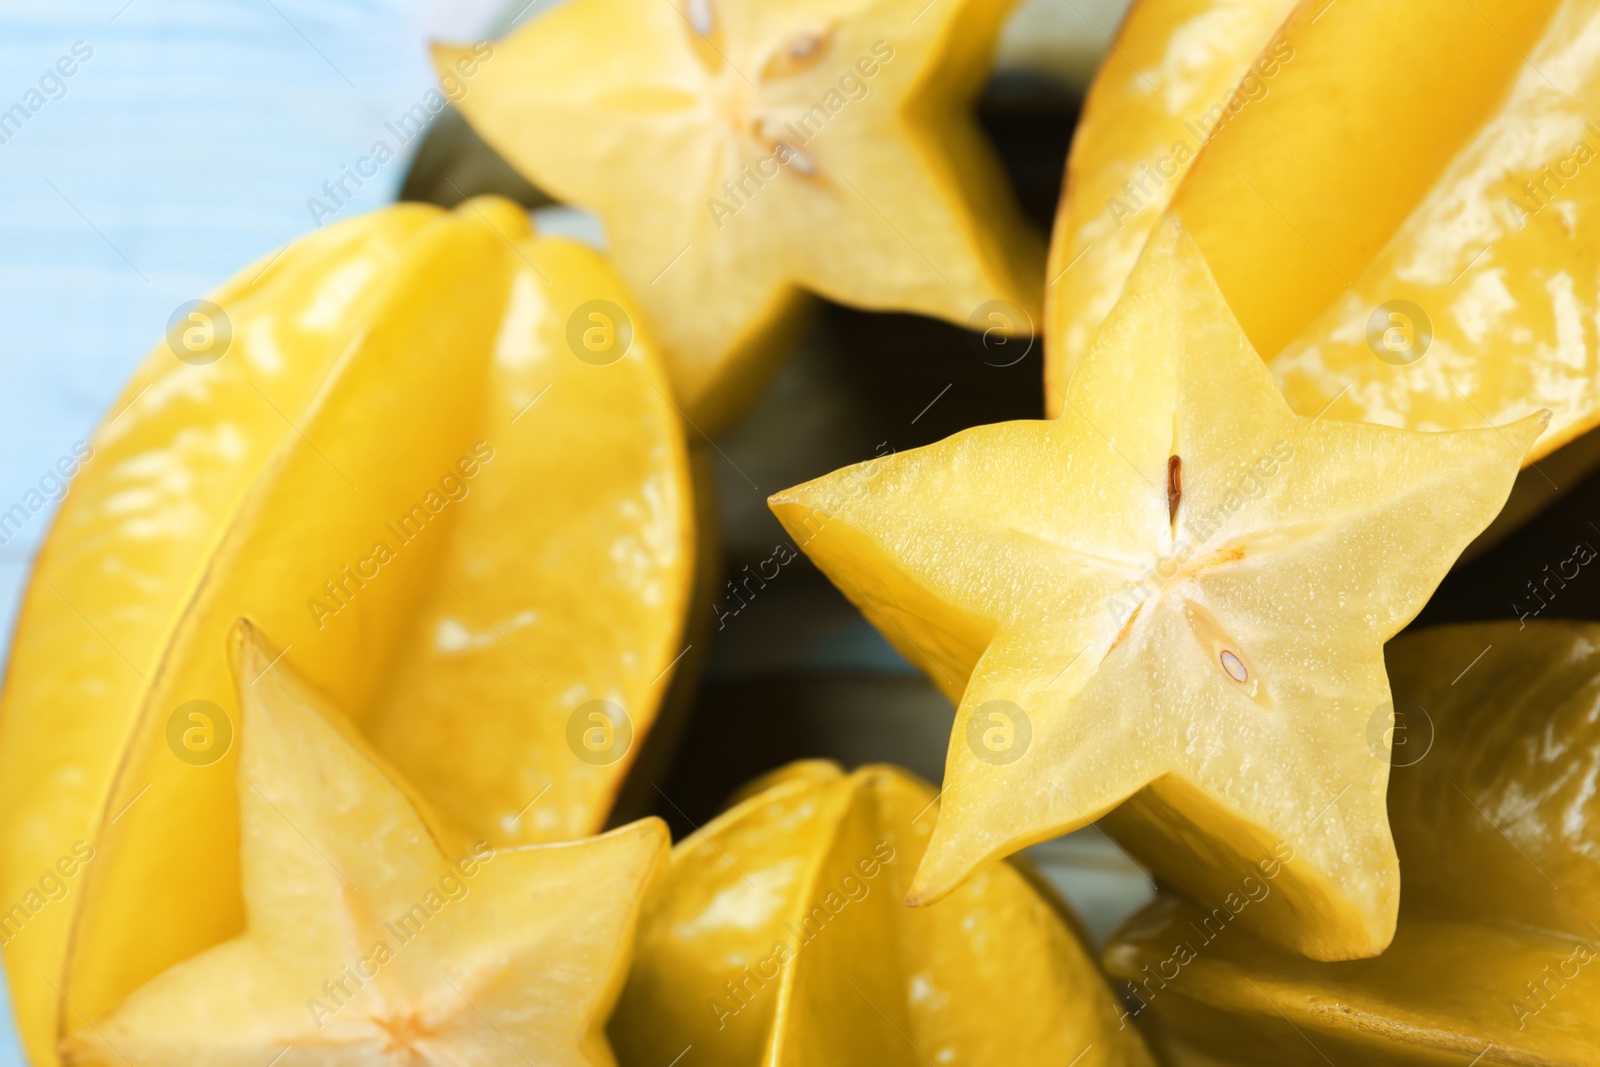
368,937
1171,602
1495,747
741,156
778,936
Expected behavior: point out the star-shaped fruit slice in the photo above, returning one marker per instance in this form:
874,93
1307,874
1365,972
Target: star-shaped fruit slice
779,936
370,940
741,153
1174,598
1495,815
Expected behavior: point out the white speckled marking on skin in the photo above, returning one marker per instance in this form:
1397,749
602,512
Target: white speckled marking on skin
749,903
1184,72
517,347
335,293
261,344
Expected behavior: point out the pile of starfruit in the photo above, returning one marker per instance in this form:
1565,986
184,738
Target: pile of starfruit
345,682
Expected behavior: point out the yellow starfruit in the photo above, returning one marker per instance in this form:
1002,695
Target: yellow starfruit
437,457
742,153
1173,77
1452,287
1497,956
778,937
370,939
1172,602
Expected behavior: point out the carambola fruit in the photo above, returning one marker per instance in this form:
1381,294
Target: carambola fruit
371,935
742,153
1172,78
1497,956
1167,606
778,937
459,501
1452,285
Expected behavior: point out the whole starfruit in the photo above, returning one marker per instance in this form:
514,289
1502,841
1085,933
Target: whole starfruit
1496,959
1451,287
778,937
1172,79
434,456
375,934
743,155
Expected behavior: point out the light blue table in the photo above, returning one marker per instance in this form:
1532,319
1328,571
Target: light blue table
185,145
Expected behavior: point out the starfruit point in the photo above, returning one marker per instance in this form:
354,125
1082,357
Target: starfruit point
1192,645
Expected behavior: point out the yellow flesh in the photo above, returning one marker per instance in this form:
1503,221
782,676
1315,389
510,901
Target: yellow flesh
1171,78
368,942
897,202
1308,234
367,362
997,560
817,861
1497,814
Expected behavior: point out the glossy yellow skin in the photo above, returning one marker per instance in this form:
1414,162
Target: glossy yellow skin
371,940
1490,957
894,200
1173,76
1308,234
778,938
380,365
1048,565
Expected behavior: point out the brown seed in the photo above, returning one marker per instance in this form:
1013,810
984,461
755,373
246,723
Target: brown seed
1174,486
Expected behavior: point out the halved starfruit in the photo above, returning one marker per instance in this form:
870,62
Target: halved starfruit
436,457
1451,285
1180,68
1497,956
1168,605
778,937
374,935
742,154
